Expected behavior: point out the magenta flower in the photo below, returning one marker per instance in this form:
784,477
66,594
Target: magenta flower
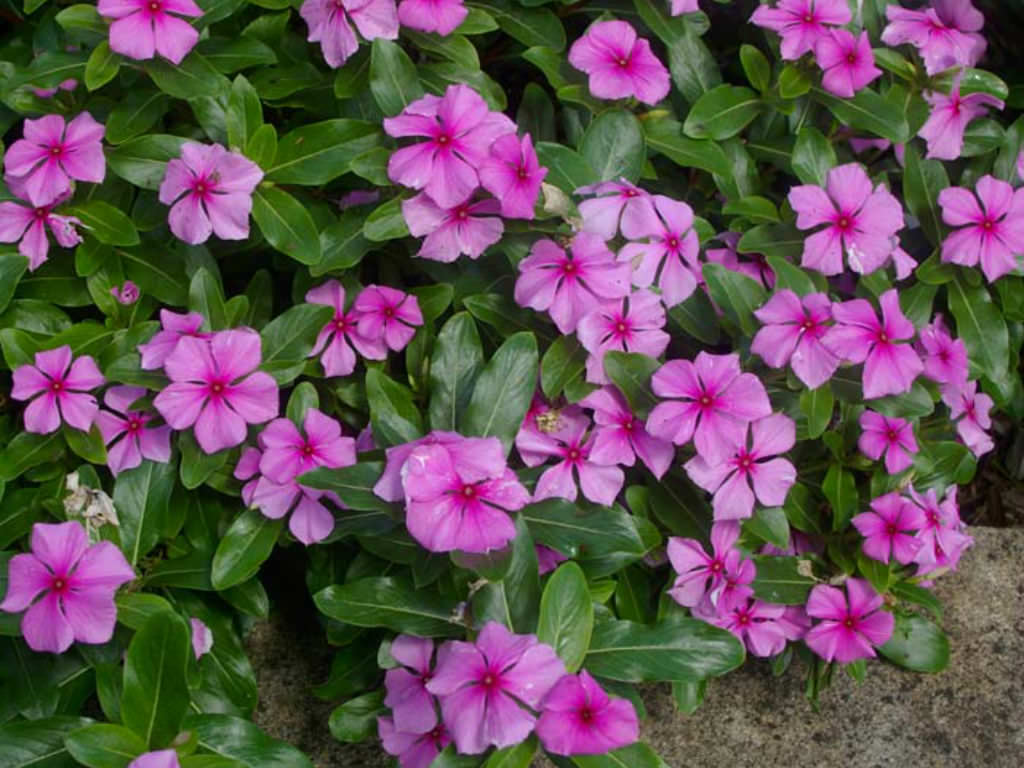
972,408
760,626
513,175
619,63
613,200
287,453
847,61
336,340
943,534
949,118
791,333
715,403
860,221
679,7
174,327
53,153
63,387
164,758
548,559
215,387
714,582
460,129
946,360
731,480
209,190
756,269
484,685
413,750
389,484
126,294
632,324
620,437
573,449
440,16
670,252
467,228
893,437
412,706
887,529
66,85
77,583
859,337
801,23
27,226
579,718
387,315
568,286
991,233
848,630
328,22
128,438
202,637
457,496
143,28
945,34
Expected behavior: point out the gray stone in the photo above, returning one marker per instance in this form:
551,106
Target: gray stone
970,715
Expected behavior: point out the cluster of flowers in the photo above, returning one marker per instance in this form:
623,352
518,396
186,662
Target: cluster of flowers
495,691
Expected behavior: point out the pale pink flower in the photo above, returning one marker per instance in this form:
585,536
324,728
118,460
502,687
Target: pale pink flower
859,220
702,580
801,23
943,534
619,63
27,226
632,324
945,34
569,285
389,484
440,16
413,750
760,626
210,191
579,718
949,118
946,358
164,758
52,153
215,387
467,228
612,200
892,437
48,93
847,61
174,327
991,233
287,453
851,625
972,409
126,294
412,706
328,22
77,583
791,333
387,315
62,387
620,437
669,255
888,528
128,434
202,637
679,7
513,175
336,340
143,28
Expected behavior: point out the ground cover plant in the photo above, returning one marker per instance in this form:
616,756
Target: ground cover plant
562,346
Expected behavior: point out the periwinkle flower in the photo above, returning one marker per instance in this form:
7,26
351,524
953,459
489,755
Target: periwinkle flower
990,234
52,153
801,23
579,718
619,63
893,437
851,625
143,28
60,389
127,433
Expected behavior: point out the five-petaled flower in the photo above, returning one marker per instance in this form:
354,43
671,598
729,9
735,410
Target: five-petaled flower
27,225
801,23
949,118
129,436
513,175
893,437
632,324
387,315
620,436
619,63
62,387
851,625
669,255
579,718
848,62
468,228
991,233
889,527
42,164
713,582
792,331
328,22
143,28
946,33
336,340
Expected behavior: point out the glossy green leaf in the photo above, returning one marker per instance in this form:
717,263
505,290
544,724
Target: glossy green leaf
395,417
320,152
813,156
242,740
722,112
244,548
287,224
393,79
141,497
613,145
104,222
156,695
503,391
567,615
779,580
390,603
104,745
455,364
917,644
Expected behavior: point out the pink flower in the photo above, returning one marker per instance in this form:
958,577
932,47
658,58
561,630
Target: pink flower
211,192
127,294
387,315
945,34
548,559
620,437
859,220
333,342
942,535
202,638
949,118
670,252
973,406
760,626
328,22
513,175
801,23
619,63
65,386
287,454
460,129
887,529
791,333
174,327
463,229
731,480
613,200
848,62
756,269
28,225
572,448
67,85
632,324
389,484
579,718
859,337
484,685
715,403
848,630
128,438
679,7
440,16
214,387
77,583
53,153
412,707
946,360
456,496
142,28
569,286
413,750
714,582
893,437
992,233
164,758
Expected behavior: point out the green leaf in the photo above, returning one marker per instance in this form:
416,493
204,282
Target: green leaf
697,317
788,275
753,207
682,649
982,327
567,169
104,746
156,695
104,222
613,145
503,391
793,82
519,756
206,297
286,224
141,498
771,525
813,156
386,222
48,70
288,339
82,16
567,615
782,241
666,137
12,267
244,548
817,405
455,364
87,445
39,743
320,152
756,67
195,76
530,26
197,466
923,180
342,244
779,580
356,719
840,489
262,146
512,598
27,450
244,114
631,373
101,67
393,80
242,740
230,56
917,644
637,755
390,603
867,111
722,113
394,416
143,161
353,484
694,69
737,295
135,113
563,364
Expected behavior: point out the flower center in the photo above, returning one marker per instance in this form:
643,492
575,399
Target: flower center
891,434
851,57
623,63
462,213
308,450
59,584
705,401
630,193
573,454
134,424
469,491
523,174
217,387
55,151
987,225
849,623
883,337
744,461
808,324
340,324
716,566
620,327
56,385
569,268
154,6
586,715
436,734
743,619
200,188
891,529
443,139
808,19
628,423
673,243
389,312
844,222
40,213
